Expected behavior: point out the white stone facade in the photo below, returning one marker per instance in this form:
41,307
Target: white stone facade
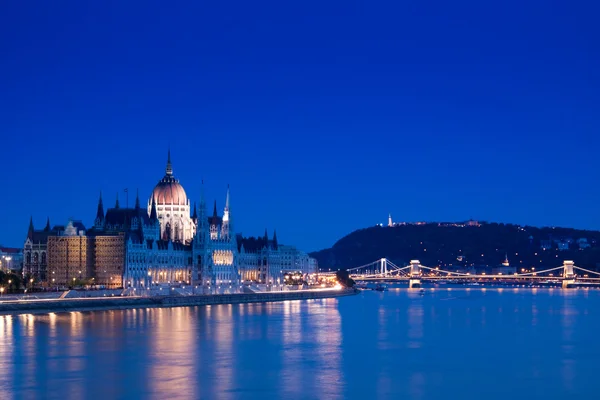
173,208
168,243
214,248
267,262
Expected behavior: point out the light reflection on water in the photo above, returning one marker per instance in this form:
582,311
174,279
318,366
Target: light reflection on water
464,344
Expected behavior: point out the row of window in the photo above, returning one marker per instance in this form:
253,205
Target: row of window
170,209
36,258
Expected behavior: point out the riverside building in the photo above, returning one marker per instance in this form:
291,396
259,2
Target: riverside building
166,242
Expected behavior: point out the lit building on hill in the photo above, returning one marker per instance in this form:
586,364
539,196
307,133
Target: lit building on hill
505,268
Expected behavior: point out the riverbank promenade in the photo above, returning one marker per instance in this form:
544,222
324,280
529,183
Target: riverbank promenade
48,305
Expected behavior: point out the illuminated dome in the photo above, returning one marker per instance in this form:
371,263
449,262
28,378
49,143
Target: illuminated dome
169,191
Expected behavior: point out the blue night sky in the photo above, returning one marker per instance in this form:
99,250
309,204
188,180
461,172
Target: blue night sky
323,116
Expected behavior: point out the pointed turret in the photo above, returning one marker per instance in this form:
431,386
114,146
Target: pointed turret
99,221
202,201
117,202
137,199
266,237
169,169
100,212
195,213
47,228
225,229
215,215
153,214
275,239
31,229
203,218
227,199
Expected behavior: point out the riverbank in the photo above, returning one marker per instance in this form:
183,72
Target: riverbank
120,303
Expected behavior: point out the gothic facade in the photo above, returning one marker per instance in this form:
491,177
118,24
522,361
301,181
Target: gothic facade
172,208
264,260
165,243
35,250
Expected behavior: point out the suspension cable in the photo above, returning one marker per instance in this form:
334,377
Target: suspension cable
398,270
586,270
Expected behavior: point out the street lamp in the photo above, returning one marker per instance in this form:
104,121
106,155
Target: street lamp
1,291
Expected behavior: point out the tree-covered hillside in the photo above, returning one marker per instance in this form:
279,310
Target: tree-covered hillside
457,245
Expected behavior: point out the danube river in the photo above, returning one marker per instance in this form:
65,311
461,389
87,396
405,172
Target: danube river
447,344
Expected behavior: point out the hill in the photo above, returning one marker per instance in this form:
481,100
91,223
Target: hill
464,244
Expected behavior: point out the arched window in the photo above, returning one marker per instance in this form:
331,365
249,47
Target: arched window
167,234
176,236
28,258
43,257
35,258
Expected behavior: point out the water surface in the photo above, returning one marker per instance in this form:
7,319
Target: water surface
459,343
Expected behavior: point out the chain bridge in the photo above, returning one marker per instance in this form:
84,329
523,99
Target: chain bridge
414,273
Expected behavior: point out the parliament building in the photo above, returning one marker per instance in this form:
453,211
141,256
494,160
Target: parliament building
165,242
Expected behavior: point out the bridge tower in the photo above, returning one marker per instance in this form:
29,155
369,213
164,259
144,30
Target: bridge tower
415,274
383,266
568,274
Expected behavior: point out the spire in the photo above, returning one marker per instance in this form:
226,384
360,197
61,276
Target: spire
202,201
227,199
117,202
203,219
266,237
100,212
215,215
137,199
226,210
169,169
275,239
195,213
153,214
47,228
31,229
